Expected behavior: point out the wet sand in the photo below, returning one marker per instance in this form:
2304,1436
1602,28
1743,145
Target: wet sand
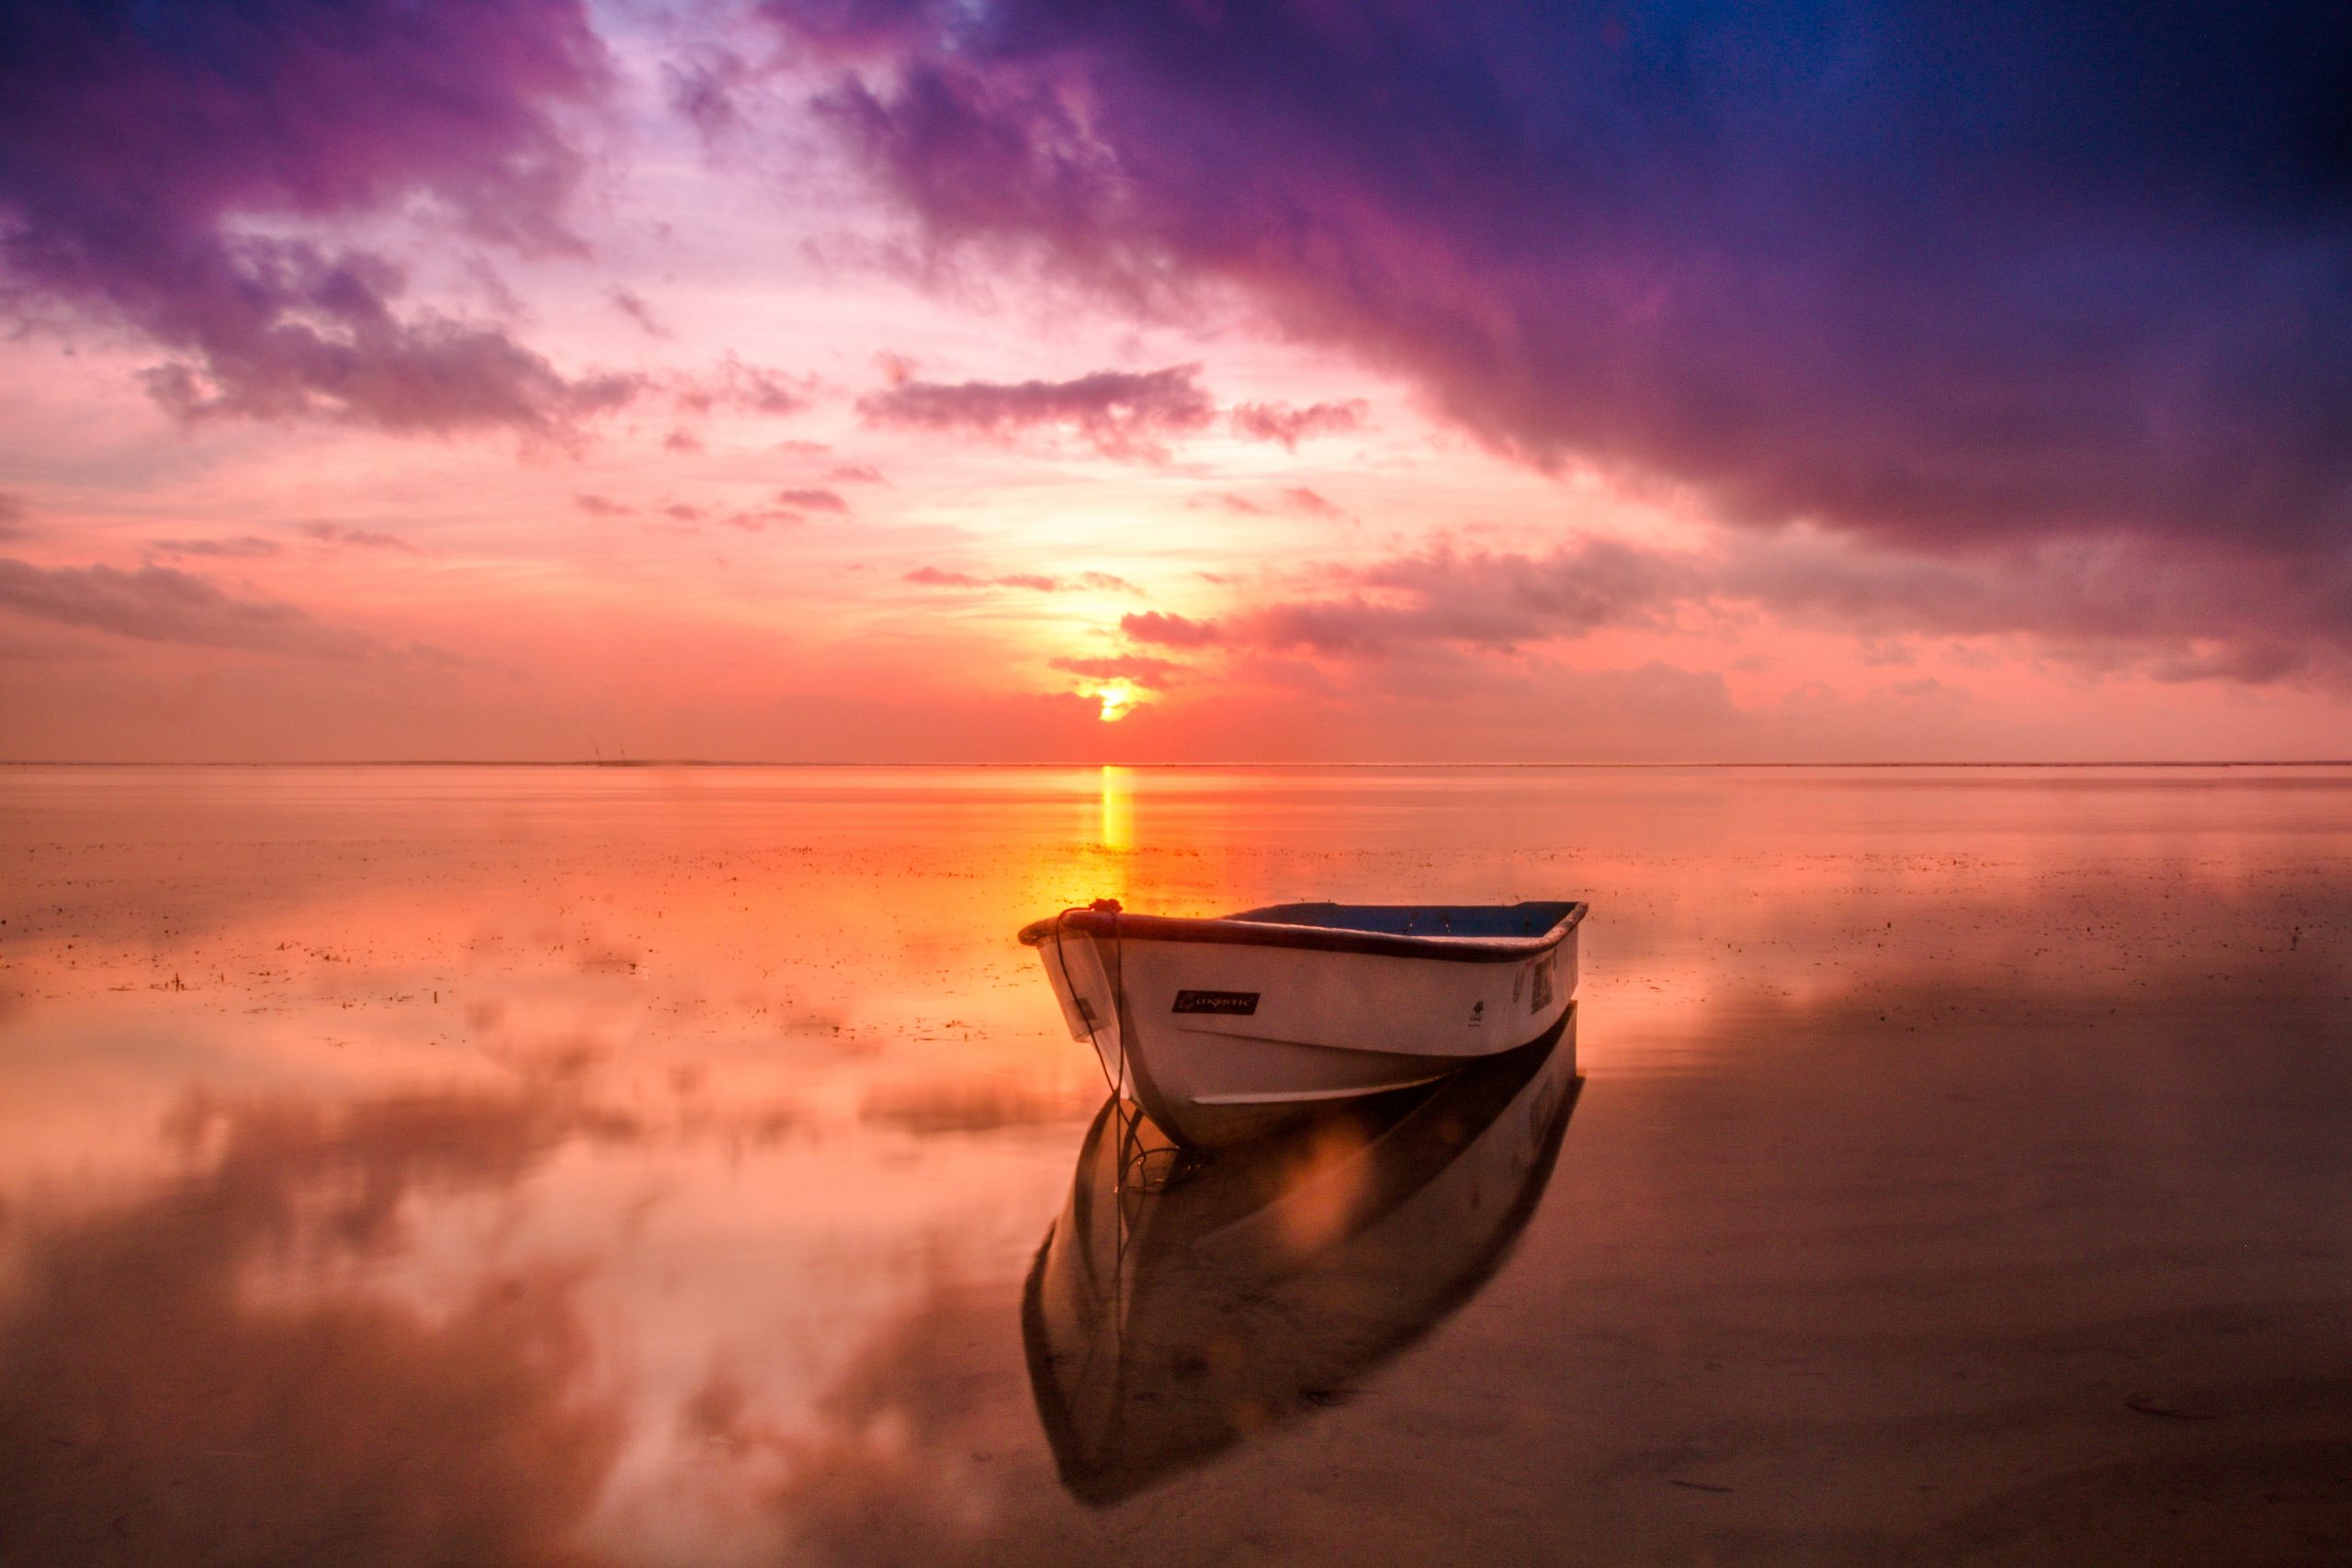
641,1166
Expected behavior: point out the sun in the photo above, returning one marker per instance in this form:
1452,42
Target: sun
1118,700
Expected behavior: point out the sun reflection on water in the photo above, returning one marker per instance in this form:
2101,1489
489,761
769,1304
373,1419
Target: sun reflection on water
1118,808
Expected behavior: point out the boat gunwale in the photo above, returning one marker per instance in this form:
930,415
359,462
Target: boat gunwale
1224,931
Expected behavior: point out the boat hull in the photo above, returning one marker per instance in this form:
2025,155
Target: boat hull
1219,1039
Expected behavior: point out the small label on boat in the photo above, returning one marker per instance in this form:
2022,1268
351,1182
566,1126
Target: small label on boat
1233,1004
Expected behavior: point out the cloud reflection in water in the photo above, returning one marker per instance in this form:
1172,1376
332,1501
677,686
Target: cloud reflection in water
168,1399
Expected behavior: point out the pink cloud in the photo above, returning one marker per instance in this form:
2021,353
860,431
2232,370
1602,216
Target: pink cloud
1124,414
138,142
1300,499
1102,581
356,538
814,500
750,388
1169,630
157,603
243,547
2052,333
1290,425
630,304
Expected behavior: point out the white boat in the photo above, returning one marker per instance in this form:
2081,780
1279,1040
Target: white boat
1222,1030
1166,1323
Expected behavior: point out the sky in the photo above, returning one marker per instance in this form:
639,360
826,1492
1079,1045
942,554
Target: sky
1013,380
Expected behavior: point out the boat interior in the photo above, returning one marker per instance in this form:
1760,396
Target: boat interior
1419,919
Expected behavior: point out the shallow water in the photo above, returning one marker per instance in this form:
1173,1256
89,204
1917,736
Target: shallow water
646,1166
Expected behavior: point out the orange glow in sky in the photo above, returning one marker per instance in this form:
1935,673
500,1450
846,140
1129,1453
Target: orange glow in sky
705,467
1118,700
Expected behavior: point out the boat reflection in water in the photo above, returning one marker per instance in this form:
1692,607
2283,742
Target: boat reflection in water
1173,1311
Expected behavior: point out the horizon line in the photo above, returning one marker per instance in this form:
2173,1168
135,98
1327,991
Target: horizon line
642,763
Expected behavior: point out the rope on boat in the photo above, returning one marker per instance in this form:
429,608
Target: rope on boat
1132,1154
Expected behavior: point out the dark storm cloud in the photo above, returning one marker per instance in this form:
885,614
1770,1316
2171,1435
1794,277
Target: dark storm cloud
1941,274
157,603
139,138
1120,413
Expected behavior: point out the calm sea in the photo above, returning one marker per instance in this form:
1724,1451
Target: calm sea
588,1166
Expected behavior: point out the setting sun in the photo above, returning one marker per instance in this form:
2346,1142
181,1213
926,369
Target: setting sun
555,556
1118,700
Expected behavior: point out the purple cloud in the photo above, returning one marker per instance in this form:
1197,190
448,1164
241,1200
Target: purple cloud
813,500
1127,414
157,603
1478,600
629,303
601,506
2185,611
1300,499
1295,498
754,521
356,538
2112,604
243,547
141,140
1169,630
1937,276
1290,425
753,388
1102,581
